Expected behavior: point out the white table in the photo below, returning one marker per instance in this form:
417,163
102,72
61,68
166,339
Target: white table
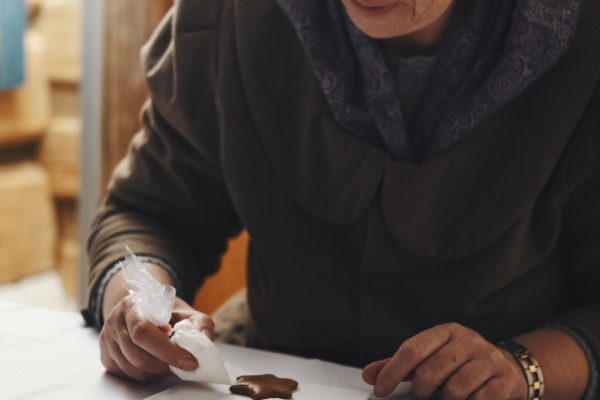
50,355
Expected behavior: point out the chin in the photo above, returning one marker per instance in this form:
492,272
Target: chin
376,32
381,29
394,23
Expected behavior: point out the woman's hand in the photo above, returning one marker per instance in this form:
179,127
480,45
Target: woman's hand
453,361
133,348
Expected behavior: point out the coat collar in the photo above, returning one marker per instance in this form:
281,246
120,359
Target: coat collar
459,201
478,187
331,173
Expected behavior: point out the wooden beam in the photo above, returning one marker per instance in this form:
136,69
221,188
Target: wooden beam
128,24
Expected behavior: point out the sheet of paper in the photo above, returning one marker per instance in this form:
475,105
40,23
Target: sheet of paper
49,355
317,379
306,391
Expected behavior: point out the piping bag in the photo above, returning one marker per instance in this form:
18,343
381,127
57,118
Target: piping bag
155,302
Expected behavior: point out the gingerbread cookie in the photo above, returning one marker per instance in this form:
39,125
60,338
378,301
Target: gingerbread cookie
261,387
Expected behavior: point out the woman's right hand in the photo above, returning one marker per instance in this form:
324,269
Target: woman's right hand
133,348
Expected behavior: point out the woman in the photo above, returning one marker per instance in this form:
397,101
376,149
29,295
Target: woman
419,179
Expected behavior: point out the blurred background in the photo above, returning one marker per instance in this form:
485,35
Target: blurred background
71,90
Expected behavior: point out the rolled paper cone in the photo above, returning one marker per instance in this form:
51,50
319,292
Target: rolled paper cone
211,368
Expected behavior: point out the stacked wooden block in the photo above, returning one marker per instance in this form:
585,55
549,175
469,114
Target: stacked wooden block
39,149
60,22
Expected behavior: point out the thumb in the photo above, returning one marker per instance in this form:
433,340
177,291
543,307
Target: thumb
370,372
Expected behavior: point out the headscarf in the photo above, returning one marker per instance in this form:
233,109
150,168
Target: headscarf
502,48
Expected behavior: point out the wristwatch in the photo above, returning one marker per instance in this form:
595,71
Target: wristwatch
531,368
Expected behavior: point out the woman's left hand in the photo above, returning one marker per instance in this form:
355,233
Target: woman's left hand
452,360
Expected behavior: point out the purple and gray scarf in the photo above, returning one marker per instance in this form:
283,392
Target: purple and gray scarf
502,48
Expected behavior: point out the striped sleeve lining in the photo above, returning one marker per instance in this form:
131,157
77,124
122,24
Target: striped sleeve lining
96,303
592,391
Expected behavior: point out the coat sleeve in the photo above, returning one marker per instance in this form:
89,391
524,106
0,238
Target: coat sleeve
580,240
167,198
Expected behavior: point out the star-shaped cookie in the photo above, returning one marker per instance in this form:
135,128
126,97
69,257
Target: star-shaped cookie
266,386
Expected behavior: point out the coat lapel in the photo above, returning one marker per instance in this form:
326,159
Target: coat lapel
459,201
445,207
331,173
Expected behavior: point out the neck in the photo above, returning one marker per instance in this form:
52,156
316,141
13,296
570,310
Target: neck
430,39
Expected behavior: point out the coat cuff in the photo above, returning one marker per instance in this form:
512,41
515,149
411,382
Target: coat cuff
93,314
583,325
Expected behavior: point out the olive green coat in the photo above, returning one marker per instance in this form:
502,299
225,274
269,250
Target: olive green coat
352,252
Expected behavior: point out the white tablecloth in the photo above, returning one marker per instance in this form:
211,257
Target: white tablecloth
51,355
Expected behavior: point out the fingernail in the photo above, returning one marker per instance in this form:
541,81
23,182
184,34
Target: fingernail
188,363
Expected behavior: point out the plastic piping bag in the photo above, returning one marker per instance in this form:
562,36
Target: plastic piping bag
155,302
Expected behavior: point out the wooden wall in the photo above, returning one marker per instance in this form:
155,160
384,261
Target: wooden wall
128,24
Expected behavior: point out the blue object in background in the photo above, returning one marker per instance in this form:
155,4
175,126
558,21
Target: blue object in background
13,23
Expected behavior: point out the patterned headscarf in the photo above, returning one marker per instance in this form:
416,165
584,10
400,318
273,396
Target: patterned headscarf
502,48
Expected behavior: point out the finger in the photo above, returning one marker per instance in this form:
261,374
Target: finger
202,322
150,338
370,372
410,354
494,389
109,343
137,356
111,367
467,380
105,341
127,368
433,373
207,325
167,330
105,359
